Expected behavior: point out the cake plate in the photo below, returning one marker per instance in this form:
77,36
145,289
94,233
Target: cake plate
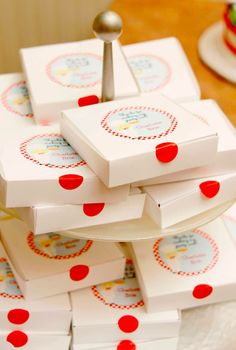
144,228
215,54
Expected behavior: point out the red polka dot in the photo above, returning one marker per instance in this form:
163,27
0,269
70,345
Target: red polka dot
79,272
128,323
166,152
18,316
202,291
209,188
126,345
17,339
93,209
70,181
88,100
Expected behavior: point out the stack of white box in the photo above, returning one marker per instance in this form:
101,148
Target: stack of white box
149,162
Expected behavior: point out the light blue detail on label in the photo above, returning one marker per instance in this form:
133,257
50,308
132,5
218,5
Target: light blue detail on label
135,123
231,226
150,71
8,283
17,100
53,244
189,252
77,70
52,150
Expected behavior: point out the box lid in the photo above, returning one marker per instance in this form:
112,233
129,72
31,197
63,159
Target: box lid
132,131
195,268
161,66
39,162
229,218
36,257
63,72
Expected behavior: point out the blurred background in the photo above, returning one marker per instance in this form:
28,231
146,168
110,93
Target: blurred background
26,23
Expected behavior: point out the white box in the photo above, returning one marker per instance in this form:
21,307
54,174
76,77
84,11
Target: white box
229,218
170,203
38,167
43,219
51,264
115,311
15,107
34,342
59,75
161,66
187,270
210,112
49,315
139,138
162,344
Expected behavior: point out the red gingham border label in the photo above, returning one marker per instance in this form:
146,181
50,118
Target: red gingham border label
172,127
6,105
81,54
168,77
114,305
182,273
9,296
23,151
30,241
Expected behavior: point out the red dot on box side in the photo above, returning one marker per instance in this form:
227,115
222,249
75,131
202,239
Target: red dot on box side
93,209
126,345
128,323
79,272
70,181
88,100
166,152
17,339
209,188
18,316
202,291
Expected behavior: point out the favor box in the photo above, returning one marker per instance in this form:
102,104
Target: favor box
19,339
170,203
229,218
52,264
15,106
161,66
195,268
114,311
43,219
163,344
38,167
210,113
61,76
139,138
49,315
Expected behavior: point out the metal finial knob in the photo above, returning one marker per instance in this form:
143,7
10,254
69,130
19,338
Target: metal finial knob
107,26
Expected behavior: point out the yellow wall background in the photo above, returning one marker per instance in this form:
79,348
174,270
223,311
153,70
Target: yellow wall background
25,23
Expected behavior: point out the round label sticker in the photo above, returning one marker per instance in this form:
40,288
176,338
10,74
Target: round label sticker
8,285
121,294
55,246
152,72
231,225
187,254
78,70
16,99
50,150
139,123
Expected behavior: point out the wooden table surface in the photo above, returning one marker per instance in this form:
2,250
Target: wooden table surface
185,19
